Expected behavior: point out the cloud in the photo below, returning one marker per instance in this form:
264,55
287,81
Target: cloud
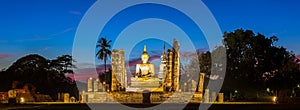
298,57
44,49
62,32
4,56
187,54
156,52
43,38
75,12
36,38
85,65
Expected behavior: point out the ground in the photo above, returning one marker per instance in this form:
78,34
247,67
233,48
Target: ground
226,106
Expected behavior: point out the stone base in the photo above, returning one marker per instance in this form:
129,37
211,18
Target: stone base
132,89
136,97
144,82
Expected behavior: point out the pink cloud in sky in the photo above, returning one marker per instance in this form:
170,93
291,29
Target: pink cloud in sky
4,56
187,54
298,57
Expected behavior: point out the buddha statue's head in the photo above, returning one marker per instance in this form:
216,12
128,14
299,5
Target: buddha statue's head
145,55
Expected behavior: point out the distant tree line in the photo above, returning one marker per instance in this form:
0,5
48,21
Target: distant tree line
47,76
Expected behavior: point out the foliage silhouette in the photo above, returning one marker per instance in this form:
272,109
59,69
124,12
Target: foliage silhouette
254,62
46,76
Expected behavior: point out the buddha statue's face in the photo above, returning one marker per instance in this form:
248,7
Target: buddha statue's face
145,58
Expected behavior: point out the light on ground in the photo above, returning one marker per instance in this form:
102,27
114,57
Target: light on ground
22,99
274,99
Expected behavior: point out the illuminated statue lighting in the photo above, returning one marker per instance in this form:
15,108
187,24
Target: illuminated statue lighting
144,78
144,70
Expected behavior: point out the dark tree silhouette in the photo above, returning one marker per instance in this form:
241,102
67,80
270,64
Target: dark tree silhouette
254,61
47,76
104,52
205,62
63,64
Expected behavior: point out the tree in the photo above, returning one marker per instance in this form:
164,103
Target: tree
288,75
29,69
205,62
45,75
254,61
104,51
63,64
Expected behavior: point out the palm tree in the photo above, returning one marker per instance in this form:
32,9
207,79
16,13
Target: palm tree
104,51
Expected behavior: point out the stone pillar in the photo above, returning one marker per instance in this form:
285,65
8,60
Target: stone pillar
119,78
176,66
162,72
90,84
123,76
201,83
60,97
82,97
169,70
66,97
96,85
114,82
221,97
206,96
213,96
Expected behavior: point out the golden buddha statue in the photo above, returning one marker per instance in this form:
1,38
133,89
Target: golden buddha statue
145,69
144,78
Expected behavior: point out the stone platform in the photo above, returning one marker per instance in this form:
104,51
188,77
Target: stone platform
141,84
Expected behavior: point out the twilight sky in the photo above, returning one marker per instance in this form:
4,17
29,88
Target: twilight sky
48,27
